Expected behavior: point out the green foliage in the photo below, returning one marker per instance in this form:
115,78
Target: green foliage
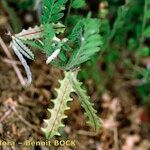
143,88
147,32
145,51
53,10
14,19
76,32
23,4
78,4
80,44
125,36
67,47
90,43
36,44
49,33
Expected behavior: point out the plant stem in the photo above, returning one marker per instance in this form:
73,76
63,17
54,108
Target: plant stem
68,13
142,32
143,24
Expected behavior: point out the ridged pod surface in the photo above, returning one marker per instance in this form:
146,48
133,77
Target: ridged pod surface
54,123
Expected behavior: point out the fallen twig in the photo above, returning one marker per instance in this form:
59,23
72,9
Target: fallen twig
24,121
115,130
87,133
6,114
20,77
10,61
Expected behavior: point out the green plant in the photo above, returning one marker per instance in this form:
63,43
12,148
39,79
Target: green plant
126,43
68,53
13,17
144,51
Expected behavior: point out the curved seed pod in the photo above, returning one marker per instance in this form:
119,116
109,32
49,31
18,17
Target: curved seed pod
31,33
54,123
37,32
23,49
23,61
